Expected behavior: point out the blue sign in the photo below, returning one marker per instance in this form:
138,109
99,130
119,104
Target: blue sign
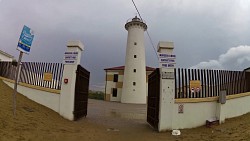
25,40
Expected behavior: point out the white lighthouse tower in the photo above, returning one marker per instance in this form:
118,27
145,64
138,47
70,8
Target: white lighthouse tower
134,80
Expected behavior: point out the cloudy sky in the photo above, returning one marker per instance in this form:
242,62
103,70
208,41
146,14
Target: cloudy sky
207,34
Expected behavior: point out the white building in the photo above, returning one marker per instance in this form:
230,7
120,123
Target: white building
5,56
134,82
114,82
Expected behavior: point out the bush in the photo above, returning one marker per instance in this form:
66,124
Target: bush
96,95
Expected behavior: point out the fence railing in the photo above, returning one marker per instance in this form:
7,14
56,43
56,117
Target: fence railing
33,73
7,70
211,82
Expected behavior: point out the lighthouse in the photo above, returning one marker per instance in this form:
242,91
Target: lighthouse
134,80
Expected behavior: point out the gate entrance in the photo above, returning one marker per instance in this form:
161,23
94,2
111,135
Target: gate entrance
81,92
153,98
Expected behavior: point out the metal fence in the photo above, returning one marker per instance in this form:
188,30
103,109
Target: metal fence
211,82
33,73
7,70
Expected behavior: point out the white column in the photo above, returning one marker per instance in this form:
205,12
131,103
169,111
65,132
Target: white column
221,105
67,95
220,112
167,90
134,80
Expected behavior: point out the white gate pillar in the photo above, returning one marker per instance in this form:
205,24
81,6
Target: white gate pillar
167,89
72,58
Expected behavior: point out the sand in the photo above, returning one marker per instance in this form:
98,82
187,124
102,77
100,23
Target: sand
106,121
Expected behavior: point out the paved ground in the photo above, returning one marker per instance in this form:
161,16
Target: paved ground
102,110
118,116
129,121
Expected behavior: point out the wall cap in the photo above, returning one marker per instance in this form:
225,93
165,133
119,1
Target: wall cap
76,44
54,91
165,45
210,99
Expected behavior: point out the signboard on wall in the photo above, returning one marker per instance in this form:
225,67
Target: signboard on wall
47,76
180,108
195,85
166,60
165,55
168,75
70,57
167,65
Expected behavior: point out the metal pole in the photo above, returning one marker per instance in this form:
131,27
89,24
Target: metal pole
16,81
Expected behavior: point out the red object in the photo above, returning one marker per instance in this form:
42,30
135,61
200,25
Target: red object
66,81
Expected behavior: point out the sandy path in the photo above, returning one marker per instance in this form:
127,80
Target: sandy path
105,122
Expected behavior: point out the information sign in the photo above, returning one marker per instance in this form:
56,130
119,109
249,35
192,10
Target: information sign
166,60
47,76
70,57
195,85
25,40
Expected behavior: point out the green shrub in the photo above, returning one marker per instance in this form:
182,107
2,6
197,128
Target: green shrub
96,95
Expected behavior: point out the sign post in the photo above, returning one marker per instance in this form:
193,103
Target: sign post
23,46
16,79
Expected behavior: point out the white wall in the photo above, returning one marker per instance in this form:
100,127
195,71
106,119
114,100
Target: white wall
237,107
166,102
196,114
50,100
5,58
118,98
110,85
62,103
196,110
120,78
67,96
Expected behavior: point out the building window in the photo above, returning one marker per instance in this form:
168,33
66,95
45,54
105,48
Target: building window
135,43
134,70
134,83
115,78
114,93
135,56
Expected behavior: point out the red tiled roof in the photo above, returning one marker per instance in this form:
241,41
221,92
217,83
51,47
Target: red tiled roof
122,68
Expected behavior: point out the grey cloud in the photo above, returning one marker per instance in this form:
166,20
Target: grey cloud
236,58
200,30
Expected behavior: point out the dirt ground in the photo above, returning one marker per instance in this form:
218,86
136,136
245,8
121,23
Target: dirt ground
106,121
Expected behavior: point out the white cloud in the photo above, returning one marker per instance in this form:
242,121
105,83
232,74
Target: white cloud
236,58
211,64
